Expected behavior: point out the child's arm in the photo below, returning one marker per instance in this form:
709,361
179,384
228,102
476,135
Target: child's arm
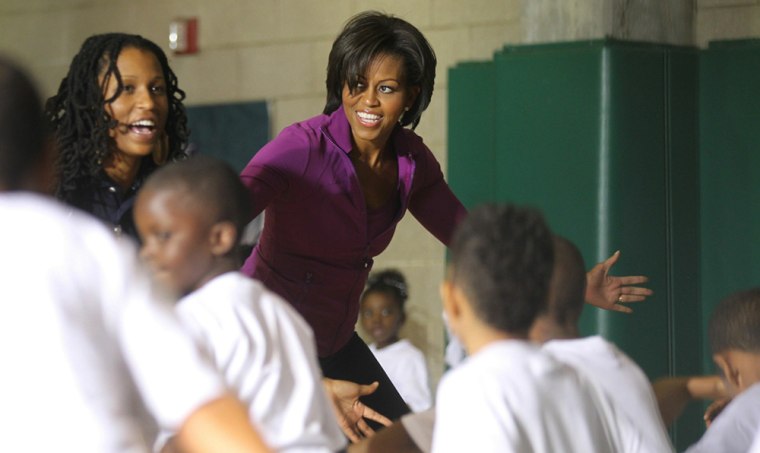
394,438
413,433
673,393
351,412
220,425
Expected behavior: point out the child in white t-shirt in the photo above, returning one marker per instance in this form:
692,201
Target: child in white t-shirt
382,315
734,335
633,407
509,395
189,215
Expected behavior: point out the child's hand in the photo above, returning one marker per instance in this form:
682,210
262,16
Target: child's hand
350,412
714,409
610,292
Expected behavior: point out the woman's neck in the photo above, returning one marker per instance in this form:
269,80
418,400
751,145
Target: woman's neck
370,156
373,153
122,168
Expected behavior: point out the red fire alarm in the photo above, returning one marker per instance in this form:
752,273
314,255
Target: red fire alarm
183,36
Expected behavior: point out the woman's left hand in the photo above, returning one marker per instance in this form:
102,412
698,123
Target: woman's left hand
350,412
610,292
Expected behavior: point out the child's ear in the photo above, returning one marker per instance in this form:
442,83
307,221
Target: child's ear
730,372
223,238
450,303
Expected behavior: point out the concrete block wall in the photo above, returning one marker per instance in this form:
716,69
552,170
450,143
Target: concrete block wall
726,19
276,50
661,21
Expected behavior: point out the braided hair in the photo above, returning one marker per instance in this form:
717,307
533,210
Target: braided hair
80,121
391,282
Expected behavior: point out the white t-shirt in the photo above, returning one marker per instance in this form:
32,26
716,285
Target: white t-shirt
513,397
756,443
267,354
406,367
85,339
634,407
734,430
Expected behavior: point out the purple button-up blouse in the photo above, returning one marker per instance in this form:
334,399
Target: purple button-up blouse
315,249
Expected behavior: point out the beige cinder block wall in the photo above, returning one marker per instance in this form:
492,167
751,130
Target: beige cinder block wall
276,50
726,19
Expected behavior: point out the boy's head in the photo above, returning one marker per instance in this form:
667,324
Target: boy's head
500,264
734,333
567,290
23,132
190,216
382,306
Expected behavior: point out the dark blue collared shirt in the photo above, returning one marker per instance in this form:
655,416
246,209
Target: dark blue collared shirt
110,203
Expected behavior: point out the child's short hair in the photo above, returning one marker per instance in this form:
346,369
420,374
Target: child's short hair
22,125
210,182
389,281
502,257
567,286
735,323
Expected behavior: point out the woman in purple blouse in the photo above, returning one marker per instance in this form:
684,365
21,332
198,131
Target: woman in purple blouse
335,186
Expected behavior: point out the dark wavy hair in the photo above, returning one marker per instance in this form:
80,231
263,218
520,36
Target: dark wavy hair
22,126
502,258
390,282
80,121
368,35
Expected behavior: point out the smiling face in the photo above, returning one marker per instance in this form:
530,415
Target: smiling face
381,318
142,106
177,237
374,107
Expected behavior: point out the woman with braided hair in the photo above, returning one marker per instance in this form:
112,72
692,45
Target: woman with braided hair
118,114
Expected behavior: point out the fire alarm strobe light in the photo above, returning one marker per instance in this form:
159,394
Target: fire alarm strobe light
183,36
